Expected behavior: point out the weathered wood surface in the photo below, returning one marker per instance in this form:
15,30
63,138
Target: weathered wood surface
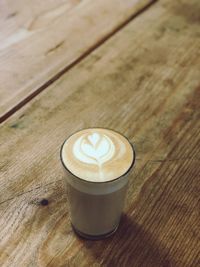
145,83
41,39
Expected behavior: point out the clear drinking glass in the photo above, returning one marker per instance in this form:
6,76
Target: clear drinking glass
95,207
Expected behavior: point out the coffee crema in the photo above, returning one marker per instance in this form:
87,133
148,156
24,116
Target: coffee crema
97,154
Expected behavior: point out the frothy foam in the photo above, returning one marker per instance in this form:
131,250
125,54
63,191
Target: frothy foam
97,154
94,149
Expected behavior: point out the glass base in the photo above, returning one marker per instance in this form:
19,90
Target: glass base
94,237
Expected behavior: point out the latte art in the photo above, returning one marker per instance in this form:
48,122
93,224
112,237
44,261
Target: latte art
97,154
94,149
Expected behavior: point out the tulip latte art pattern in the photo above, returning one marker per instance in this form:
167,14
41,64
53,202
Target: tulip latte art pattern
97,154
94,149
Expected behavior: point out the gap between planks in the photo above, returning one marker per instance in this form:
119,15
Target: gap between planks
24,101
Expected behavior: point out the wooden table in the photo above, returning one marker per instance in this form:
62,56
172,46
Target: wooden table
130,65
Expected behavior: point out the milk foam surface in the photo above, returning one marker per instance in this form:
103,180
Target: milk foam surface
97,154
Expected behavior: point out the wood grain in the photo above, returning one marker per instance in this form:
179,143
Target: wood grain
39,41
145,83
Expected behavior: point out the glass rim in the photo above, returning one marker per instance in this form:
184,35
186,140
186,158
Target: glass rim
98,182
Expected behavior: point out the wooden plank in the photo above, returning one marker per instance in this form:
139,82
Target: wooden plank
155,231
16,15
40,41
144,93
163,227
144,82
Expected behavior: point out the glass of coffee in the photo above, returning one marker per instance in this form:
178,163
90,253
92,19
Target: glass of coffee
97,164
